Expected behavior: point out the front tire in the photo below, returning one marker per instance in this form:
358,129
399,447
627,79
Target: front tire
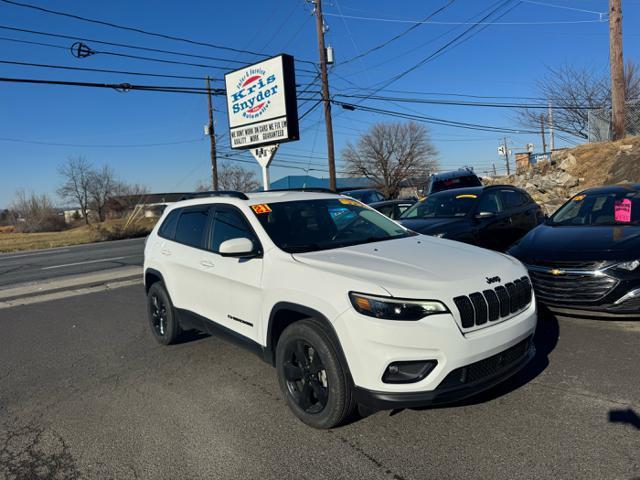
162,318
311,375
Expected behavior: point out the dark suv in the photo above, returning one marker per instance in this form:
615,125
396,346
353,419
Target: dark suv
461,178
492,217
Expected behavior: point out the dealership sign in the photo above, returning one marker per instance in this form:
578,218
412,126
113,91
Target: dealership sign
261,102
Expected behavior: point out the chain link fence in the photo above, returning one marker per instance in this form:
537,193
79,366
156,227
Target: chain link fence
600,122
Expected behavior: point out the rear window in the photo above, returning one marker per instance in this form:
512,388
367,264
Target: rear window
456,182
191,227
168,227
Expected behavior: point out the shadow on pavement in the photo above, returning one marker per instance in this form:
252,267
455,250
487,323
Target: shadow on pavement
628,416
189,336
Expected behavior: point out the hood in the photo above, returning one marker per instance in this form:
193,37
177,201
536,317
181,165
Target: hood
418,266
434,225
547,242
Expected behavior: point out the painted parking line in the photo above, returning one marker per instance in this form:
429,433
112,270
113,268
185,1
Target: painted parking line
2,257
112,259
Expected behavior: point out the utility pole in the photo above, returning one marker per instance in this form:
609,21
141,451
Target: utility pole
212,137
617,69
506,156
494,169
325,93
552,140
544,142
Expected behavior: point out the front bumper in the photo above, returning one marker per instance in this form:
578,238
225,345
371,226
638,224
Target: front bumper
451,390
371,344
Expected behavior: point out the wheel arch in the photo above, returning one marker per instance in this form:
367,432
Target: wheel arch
284,314
151,276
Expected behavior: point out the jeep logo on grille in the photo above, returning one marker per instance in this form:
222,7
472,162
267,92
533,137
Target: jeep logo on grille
491,280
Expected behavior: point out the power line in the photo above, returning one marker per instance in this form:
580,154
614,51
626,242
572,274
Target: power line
81,145
117,54
100,70
396,37
433,120
464,103
137,29
431,22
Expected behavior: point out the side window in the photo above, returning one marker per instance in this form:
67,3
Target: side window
490,202
512,199
378,197
387,210
229,223
191,227
403,207
168,227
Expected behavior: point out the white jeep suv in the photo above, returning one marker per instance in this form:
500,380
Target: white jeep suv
349,306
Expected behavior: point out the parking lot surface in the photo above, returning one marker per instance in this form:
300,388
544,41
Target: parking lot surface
85,392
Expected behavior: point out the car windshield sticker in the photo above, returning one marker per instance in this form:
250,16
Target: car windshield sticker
348,201
622,210
467,195
578,198
261,208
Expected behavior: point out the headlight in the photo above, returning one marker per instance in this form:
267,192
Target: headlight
439,235
629,266
395,309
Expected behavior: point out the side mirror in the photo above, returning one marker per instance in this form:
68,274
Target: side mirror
485,215
237,247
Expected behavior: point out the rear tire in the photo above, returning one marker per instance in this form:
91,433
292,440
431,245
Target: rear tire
162,318
311,375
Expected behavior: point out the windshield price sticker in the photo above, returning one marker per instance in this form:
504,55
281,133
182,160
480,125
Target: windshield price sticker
261,208
467,195
622,210
578,198
348,201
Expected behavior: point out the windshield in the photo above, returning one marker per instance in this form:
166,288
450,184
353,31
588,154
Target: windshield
619,208
443,205
309,225
457,182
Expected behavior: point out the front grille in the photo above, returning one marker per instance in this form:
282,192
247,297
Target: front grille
488,367
570,264
570,287
490,305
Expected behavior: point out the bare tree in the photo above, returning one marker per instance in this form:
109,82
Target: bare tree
35,213
390,154
573,91
233,177
102,186
76,174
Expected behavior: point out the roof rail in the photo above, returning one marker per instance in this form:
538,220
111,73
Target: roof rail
302,189
215,193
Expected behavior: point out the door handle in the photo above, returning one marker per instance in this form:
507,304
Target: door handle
206,264
165,251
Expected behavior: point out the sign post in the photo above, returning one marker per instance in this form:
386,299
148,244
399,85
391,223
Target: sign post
263,156
262,108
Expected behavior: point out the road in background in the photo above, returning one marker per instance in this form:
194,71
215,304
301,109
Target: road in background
85,392
38,265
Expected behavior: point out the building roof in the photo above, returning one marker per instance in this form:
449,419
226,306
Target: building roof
308,181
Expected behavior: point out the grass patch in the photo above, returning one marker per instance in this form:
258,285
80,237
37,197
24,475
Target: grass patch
99,232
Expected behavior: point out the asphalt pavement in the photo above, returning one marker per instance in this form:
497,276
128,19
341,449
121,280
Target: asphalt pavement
85,392
40,265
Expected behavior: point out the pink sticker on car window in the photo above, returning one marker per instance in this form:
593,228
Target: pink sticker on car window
622,210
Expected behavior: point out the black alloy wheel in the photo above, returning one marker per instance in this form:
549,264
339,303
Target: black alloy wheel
162,318
306,376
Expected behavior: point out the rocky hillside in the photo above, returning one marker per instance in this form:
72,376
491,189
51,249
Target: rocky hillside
575,169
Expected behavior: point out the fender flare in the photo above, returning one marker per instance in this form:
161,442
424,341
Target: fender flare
269,351
154,272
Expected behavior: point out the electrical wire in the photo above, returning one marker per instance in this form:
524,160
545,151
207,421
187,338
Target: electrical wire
396,37
102,70
82,145
431,22
137,29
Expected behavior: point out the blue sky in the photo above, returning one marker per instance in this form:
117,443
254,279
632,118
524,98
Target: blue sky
123,129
